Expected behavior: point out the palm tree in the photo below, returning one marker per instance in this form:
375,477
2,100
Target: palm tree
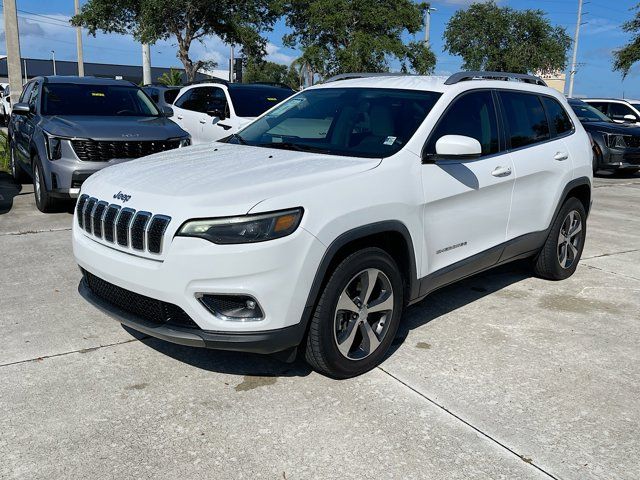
171,78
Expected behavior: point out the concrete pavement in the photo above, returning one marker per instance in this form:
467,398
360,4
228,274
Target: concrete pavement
501,376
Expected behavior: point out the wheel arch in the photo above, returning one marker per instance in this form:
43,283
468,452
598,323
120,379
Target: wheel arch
392,236
579,188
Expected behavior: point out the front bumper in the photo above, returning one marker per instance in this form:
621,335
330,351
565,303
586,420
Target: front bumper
617,158
264,342
277,273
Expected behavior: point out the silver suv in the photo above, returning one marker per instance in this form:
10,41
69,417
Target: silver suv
64,129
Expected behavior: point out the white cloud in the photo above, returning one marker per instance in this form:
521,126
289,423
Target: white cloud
276,54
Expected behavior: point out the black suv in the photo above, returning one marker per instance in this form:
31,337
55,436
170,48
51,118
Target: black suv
63,129
616,146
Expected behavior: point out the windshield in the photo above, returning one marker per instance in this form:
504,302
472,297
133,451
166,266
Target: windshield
361,122
100,100
253,101
587,113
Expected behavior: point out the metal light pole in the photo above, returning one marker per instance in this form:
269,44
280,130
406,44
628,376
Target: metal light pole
572,72
53,58
79,42
231,59
427,24
13,48
146,64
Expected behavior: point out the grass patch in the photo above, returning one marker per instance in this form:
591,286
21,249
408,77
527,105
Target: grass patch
4,152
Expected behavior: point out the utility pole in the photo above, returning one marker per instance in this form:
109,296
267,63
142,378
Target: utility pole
572,72
24,63
79,42
146,64
13,49
231,60
53,59
427,24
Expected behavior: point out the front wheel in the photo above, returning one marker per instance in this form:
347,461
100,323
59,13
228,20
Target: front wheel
562,250
357,315
44,201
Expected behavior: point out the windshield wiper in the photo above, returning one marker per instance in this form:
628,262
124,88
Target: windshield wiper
293,146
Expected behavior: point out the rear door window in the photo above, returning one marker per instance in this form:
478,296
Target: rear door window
560,121
203,99
525,119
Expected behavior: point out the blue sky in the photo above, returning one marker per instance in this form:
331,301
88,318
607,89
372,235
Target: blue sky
600,36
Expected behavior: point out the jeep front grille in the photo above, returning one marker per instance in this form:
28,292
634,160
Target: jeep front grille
142,231
103,151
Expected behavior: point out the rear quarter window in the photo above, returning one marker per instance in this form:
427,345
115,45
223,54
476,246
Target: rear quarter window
560,121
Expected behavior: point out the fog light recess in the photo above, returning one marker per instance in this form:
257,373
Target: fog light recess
232,308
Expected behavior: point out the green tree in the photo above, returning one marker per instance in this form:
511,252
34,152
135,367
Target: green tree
624,58
340,36
171,78
258,70
502,39
237,22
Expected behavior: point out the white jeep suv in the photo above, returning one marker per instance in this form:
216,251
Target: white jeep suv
318,223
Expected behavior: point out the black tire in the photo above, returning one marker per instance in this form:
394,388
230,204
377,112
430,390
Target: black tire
595,163
322,351
549,262
18,174
44,201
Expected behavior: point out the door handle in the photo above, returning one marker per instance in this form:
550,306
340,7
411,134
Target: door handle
203,121
560,156
226,127
501,172
179,117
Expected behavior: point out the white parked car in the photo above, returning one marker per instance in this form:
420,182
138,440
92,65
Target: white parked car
316,225
620,111
213,110
5,104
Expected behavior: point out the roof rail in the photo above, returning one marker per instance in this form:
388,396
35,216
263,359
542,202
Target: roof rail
505,76
349,76
207,80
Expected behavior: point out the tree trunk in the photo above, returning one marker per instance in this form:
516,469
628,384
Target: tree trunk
189,67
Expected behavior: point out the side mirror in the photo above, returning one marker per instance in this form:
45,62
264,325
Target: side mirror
167,111
21,108
218,112
458,147
629,118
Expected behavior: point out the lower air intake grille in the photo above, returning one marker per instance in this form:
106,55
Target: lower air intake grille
146,308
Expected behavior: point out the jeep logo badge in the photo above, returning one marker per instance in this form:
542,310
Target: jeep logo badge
122,196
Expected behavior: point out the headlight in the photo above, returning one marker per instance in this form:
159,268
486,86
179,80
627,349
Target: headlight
617,141
184,142
244,229
54,146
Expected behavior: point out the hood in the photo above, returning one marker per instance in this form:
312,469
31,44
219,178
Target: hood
112,128
218,179
612,127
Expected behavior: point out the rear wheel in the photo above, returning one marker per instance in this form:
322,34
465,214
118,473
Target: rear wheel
44,201
561,253
357,315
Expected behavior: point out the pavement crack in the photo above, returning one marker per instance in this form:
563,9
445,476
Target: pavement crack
611,254
612,273
30,232
520,457
80,350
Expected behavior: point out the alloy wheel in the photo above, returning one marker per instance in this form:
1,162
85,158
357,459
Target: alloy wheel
363,314
36,182
569,239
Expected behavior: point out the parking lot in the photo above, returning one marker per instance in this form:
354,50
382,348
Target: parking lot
500,376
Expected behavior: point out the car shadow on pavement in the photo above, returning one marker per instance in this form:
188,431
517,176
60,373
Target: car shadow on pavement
8,191
234,363
435,305
457,295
